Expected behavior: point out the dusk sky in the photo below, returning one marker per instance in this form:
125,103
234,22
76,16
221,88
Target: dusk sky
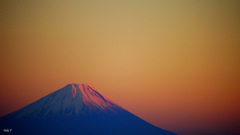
174,64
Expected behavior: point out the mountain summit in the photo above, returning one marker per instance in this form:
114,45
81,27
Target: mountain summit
91,99
76,109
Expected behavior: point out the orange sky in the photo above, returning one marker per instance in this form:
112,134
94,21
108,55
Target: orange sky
174,64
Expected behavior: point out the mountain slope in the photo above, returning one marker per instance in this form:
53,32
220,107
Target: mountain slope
76,109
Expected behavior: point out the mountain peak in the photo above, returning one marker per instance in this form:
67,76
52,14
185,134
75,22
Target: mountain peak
90,97
77,109
84,89
71,100
75,87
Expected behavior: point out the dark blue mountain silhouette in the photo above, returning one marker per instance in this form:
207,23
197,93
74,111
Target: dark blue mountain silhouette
76,109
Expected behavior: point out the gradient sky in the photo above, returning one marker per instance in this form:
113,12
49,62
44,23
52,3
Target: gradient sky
174,64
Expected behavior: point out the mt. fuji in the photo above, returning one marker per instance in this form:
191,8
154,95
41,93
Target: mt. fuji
76,109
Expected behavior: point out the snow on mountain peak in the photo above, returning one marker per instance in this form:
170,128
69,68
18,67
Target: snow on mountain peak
90,97
73,99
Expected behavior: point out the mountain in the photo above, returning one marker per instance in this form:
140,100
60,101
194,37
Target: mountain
76,109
